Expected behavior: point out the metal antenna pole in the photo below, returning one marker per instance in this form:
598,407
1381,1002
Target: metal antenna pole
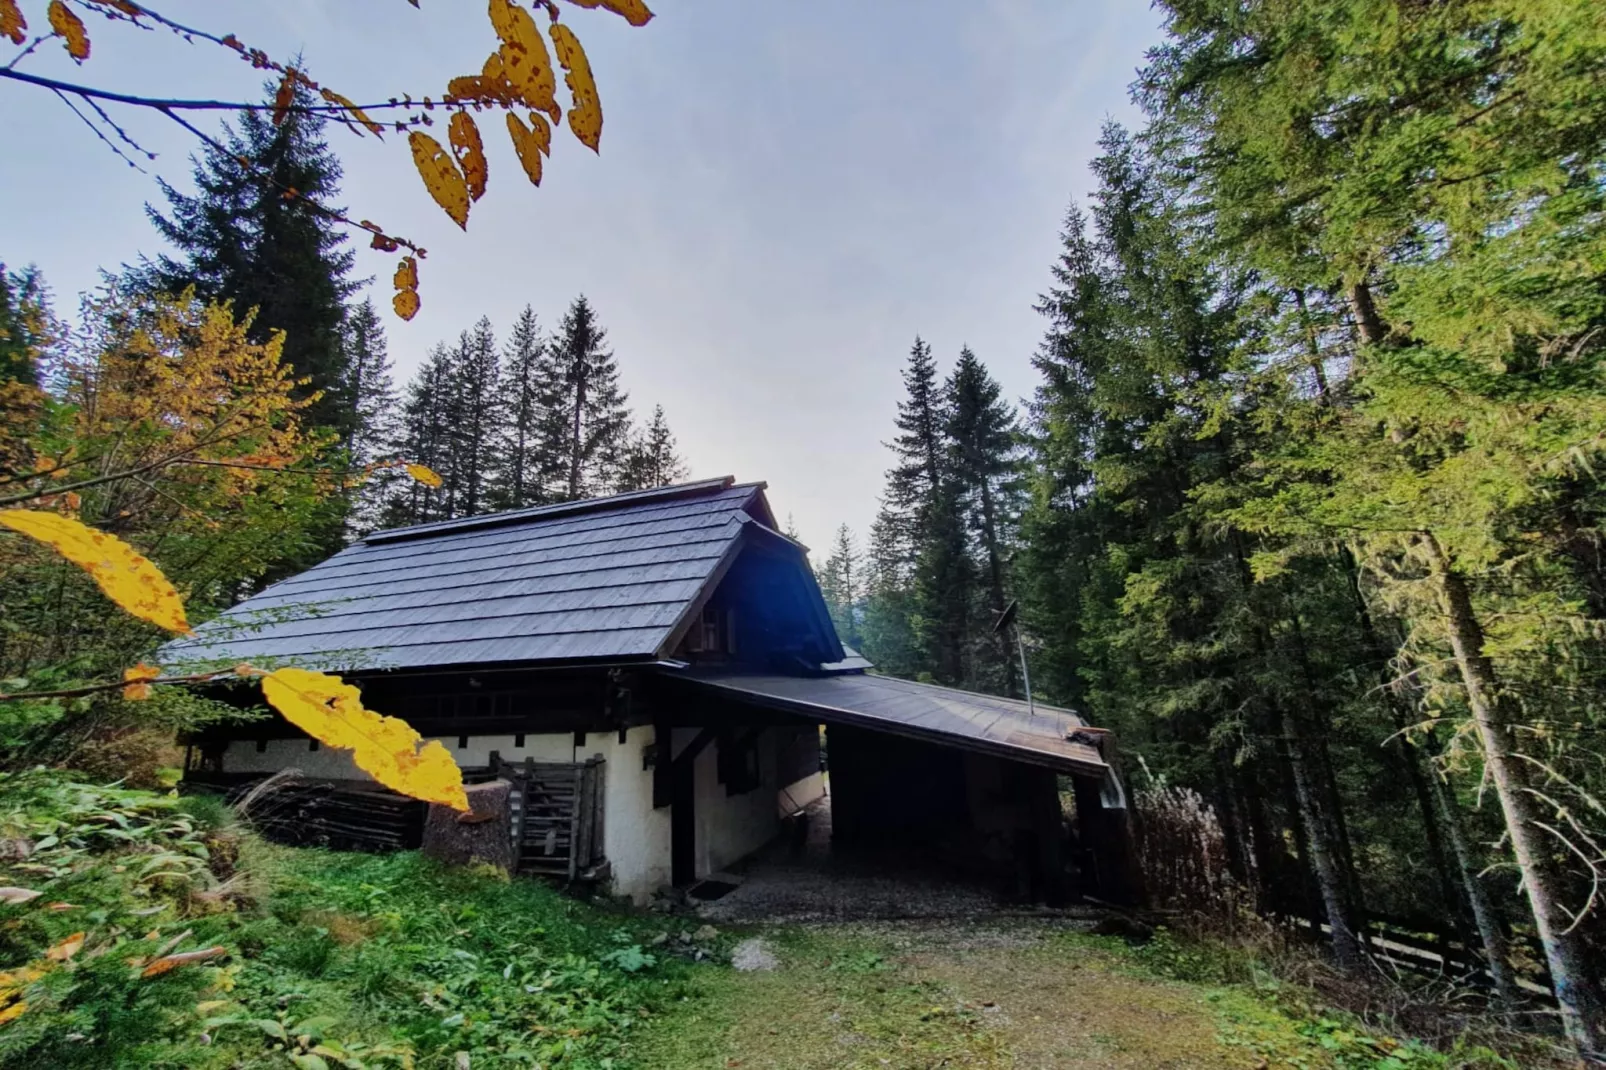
1026,677
1010,616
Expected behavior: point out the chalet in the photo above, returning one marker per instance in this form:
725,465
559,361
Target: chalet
652,671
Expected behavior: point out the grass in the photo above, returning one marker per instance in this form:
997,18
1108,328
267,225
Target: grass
915,996
326,960
144,930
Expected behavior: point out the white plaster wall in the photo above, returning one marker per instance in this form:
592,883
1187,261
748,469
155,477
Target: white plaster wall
241,756
635,837
730,827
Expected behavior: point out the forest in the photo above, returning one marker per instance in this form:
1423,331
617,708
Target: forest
1305,508
1306,504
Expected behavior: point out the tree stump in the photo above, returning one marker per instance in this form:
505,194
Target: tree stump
483,834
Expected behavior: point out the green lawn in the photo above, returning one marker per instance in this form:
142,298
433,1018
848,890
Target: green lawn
314,960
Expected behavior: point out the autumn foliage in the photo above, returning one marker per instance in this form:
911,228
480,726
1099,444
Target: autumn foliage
517,76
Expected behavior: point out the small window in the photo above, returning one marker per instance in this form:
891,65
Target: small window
737,762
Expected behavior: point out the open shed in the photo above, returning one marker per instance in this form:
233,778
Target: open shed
651,671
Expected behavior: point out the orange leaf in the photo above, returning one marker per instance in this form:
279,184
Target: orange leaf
71,28
406,277
137,688
123,575
470,152
441,176
387,748
528,144
335,98
406,304
632,11
585,114
525,60
66,949
12,24
16,1010
285,97
184,958
406,301
424,475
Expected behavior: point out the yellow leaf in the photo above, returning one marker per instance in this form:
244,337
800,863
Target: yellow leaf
470,152
66,949
406,304
406,277
387,748
285,97
525,60
585,114
441,176
123,575
71,28
137,688
12,24
16,1010
335,98
424,475
529,144
633,11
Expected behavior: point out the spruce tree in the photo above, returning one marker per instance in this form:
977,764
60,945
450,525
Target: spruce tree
586,421
650,458
841,582
475,415
982,462
526,373
424,437
241,239
917,471
368,384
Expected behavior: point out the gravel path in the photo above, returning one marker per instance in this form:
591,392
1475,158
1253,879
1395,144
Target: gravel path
815,884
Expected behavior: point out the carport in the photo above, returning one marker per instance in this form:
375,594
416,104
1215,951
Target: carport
977,778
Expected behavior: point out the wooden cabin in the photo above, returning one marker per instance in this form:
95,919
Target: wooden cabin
652,672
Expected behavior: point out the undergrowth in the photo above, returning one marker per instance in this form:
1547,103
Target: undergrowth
164,936
1263,1004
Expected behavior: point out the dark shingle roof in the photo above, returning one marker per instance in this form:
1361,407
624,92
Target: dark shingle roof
609,578
964,719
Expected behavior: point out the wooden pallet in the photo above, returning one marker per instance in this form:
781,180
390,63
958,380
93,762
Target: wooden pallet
557,812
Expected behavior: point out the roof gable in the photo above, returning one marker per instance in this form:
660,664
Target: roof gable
606,579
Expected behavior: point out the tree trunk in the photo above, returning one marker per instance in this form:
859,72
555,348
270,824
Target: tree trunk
1578,994
1367,319
1312,348
1491,931
574,439
995,576
1323,851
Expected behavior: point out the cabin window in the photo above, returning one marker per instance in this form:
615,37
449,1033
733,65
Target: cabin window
714,633
737,762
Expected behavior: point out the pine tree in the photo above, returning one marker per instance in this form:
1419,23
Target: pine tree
476,419
917,472
841,582
242,240
650,458
367,381
586,419
424,437
982,460
525,387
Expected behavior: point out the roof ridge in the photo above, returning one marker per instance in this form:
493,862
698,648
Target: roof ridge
557,509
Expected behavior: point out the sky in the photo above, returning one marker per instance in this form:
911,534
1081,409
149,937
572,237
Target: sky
786,195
